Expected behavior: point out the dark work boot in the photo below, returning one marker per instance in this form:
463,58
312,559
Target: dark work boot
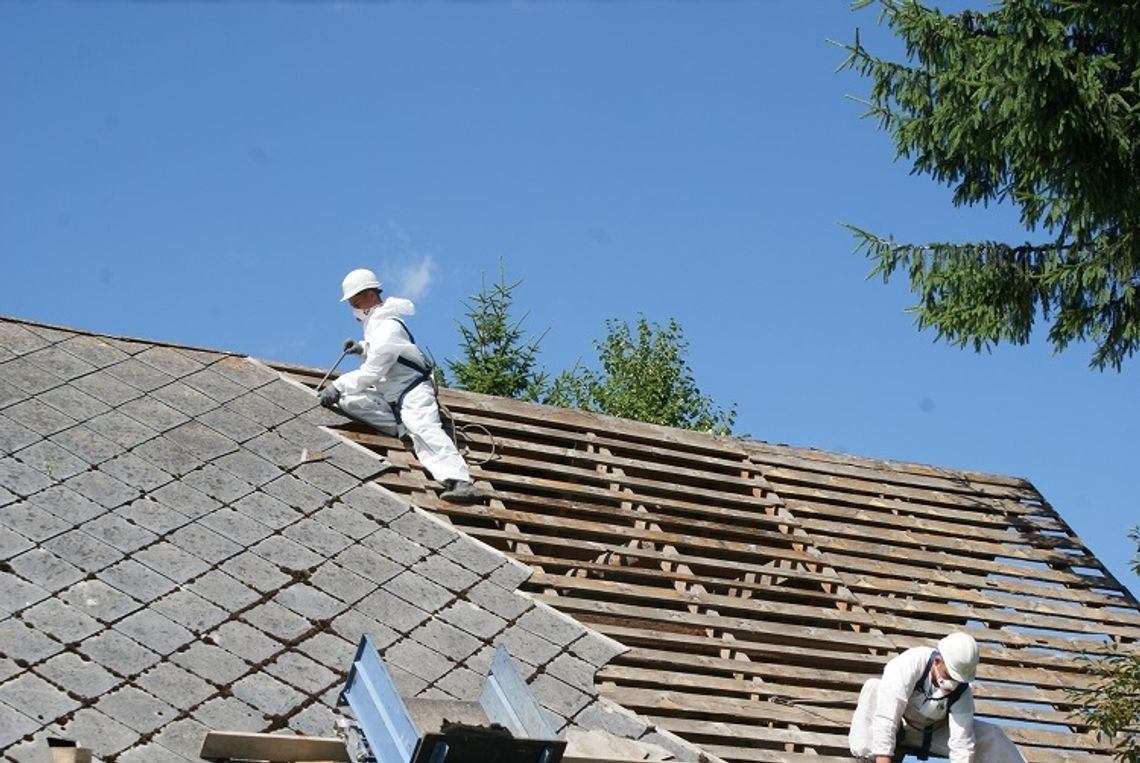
459,491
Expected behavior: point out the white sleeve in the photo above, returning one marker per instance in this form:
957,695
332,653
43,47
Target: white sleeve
383,342
899,677
961,722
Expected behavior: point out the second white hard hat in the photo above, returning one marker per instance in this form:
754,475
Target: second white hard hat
960,654
356,282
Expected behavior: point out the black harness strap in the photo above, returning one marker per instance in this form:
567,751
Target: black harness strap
923,751
424,374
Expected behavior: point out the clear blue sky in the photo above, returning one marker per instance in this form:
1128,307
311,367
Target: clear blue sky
206,174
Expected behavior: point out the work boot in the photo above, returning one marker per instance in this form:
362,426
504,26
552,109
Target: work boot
459,491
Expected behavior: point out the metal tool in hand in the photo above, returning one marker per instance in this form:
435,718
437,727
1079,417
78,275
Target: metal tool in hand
351,347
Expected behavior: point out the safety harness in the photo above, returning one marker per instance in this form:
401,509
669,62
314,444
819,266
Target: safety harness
923,752
424,373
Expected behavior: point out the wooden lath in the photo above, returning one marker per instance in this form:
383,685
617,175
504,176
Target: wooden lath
757,586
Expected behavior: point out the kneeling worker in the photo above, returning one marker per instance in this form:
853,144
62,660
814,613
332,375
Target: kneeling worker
393,386
923,705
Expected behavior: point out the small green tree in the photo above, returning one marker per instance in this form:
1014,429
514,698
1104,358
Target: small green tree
1112,704
498,358
644,376
1036,103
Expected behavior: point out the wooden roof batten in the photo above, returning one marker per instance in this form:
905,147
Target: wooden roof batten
757,586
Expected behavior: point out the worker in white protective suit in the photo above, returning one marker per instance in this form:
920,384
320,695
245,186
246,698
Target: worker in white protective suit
923,705
393,389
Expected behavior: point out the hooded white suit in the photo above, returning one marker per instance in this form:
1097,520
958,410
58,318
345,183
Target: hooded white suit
385,393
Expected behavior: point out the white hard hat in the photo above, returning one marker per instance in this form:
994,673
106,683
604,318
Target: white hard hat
356,282
960,655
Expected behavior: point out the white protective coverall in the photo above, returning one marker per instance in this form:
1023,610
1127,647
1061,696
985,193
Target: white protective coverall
370,392
892,702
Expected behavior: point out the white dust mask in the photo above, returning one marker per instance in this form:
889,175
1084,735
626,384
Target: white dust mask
360,314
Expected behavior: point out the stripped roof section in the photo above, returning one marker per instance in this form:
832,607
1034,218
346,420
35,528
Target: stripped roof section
169,563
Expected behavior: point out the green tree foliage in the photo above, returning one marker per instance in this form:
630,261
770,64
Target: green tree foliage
1112,703
1035,104
498,358
644,376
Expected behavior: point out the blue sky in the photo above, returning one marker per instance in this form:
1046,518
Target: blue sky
206,174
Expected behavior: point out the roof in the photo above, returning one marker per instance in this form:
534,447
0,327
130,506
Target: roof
188,543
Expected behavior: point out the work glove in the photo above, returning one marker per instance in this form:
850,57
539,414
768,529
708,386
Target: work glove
329,396
353,347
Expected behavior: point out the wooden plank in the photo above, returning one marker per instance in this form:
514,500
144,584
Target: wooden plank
279,748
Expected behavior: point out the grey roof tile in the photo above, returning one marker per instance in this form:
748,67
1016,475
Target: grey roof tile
39,417
154,516
154,631
360,463
573,671
5,499
294,397
341,583
424,530
185,399
380,506
315,720
83,678
296,493
186,500
214,385
368,564
23,643
135,472
353,624
206,543
394,612
183,737
245,641
137,581
151,752
51,460
559,698
100,600
154,413
14,725
511,574
218,484
254,406
445,572
94,350
103,488
419,590
61,621
60,363
172,561
551,625
87,444
248,373
317,537
17,595
249,467
28,377
82,550
106,388
267,510
395,546
472,555
407,684
345,520
66,504
309,602
330,650
117,532
121,428
168,456
303,673
14,435
135,708
190,611
201,441
527,647
19,339
275,449
73,402
172,361
462,684
8,393
224,590
446,639
139,375
277,621
478,622
48,570
236,526
212,663
231,714
287,553
233,425
255,571
48,333
326,477
178,687
33,522
415,658
267,694
304,434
